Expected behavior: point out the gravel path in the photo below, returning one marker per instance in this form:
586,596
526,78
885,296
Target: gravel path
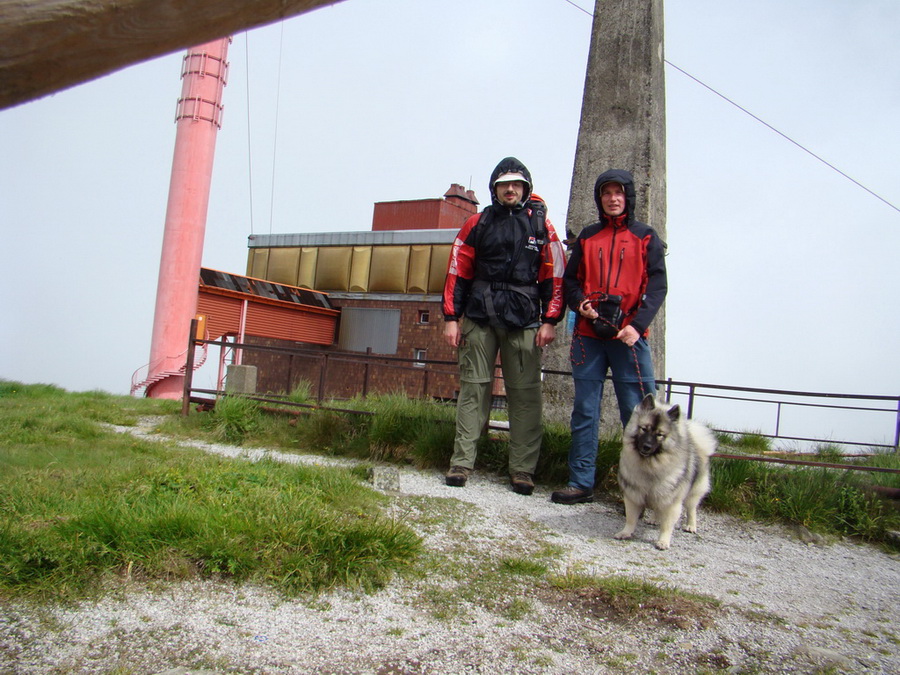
788,603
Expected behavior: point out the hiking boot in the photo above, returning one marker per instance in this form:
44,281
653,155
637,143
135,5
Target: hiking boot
458,475
521,482
572,495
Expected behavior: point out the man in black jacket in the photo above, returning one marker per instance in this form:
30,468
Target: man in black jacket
503,293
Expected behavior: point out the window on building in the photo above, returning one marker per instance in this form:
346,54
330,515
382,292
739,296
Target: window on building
365,328
423,316
420,355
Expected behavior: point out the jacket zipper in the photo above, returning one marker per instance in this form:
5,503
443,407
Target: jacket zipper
600,257
509,225
612,248
621,263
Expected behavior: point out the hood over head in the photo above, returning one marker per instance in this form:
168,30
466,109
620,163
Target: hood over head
624,179
511,165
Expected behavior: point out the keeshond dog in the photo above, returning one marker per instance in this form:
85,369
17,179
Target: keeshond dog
664,466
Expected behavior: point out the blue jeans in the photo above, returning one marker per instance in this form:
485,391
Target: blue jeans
632,376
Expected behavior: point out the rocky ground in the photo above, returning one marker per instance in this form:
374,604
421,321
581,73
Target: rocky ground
769,600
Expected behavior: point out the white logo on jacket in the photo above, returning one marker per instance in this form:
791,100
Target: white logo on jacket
534,244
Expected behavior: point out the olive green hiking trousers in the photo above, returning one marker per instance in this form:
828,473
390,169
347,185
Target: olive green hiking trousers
520,361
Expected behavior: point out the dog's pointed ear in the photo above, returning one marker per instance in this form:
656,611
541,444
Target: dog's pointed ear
674,412
649,403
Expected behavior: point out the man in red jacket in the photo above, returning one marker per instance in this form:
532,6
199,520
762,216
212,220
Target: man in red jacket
616,282
503,293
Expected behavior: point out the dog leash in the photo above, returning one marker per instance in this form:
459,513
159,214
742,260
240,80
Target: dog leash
579,339
595,297
637,368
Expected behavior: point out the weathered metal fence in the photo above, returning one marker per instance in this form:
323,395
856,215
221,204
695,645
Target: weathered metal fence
780,400
341,375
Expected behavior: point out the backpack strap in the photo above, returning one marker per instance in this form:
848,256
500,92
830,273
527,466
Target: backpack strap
538,218
537,227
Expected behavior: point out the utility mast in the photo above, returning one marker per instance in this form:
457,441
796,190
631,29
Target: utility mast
198,118
623,126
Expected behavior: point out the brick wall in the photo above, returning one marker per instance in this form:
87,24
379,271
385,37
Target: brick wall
348,374
415,333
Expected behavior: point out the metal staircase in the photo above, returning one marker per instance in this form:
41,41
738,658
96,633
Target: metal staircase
141,382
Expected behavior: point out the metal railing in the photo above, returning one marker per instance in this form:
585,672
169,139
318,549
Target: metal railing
781,399
692,393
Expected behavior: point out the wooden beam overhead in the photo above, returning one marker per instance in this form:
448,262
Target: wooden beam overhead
50,45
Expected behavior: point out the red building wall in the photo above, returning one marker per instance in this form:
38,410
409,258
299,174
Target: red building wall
448,213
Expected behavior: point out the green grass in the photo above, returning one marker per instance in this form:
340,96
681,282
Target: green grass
235,418
523,566
411,430
420,433
829,501
82,504
825,500
749,443
495,577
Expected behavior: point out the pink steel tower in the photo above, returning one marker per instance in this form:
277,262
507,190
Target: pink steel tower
198,118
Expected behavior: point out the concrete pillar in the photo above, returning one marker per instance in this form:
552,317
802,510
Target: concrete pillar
623,127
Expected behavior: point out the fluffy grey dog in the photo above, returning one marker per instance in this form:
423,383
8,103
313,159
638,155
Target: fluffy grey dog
664,466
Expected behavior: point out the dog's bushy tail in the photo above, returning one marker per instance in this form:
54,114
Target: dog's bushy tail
702,437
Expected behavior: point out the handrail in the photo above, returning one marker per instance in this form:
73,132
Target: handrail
693,390
161,375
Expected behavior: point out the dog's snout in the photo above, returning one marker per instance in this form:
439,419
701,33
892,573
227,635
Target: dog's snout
646,444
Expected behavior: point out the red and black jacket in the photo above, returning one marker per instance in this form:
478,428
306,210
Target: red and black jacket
504,269
617,256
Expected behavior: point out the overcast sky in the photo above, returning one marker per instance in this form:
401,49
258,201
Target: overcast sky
782,272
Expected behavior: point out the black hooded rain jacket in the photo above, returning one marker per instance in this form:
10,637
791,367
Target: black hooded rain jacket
502,270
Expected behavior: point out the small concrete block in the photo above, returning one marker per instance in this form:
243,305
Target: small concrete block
240,379
385,478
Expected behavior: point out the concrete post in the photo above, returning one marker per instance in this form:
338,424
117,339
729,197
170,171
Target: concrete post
240,379
623,127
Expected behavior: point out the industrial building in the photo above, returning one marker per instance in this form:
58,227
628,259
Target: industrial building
385,286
